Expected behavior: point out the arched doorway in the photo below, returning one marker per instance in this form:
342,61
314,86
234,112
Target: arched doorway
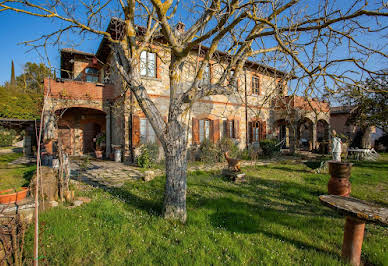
305,134
322,131
280,129
77,129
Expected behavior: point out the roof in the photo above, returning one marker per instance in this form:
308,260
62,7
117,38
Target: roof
344,109
74,51
115,26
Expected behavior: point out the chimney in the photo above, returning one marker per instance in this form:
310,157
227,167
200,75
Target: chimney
180,27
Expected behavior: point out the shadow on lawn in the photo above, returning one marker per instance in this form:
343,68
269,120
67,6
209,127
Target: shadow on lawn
252,208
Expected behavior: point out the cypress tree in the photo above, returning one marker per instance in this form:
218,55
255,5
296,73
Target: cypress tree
13,79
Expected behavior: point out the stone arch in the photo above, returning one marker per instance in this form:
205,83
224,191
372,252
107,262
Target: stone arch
79,127
305,133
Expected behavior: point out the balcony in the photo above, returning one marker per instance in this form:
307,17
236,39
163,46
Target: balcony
80,90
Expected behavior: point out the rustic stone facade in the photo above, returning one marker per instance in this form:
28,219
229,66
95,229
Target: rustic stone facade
248,115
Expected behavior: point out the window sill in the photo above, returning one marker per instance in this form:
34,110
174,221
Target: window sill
151,79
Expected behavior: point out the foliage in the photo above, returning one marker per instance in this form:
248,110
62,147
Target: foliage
149,155
32,78
24,100
7,136
273,219
269,147
228,145
100,139
370,101
209,152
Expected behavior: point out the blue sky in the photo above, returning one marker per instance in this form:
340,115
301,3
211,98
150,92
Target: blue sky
23,28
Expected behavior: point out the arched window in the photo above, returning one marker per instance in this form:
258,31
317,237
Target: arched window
91,74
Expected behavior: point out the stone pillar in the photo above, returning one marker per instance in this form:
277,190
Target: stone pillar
314,136
108,136
48,125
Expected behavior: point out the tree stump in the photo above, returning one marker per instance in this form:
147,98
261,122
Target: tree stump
235,176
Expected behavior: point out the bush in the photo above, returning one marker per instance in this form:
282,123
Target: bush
7,136
209,152
149,156
269,147
227,144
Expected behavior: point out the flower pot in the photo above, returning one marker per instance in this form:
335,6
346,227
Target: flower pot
10,196
99,154
340,169
339,183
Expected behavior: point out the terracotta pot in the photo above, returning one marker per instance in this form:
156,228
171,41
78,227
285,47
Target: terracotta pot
340,169
98,154
10,196
339,183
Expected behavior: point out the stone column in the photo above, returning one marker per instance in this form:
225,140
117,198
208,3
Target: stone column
287,136
48,125
108,136
314,136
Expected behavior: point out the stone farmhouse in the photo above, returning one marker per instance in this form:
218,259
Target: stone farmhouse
90,98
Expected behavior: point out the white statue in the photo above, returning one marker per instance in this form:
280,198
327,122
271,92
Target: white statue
336,146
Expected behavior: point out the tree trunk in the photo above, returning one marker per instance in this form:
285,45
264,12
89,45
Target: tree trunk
175,150
174,205
365,141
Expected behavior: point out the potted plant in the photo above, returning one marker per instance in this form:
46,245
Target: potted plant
100,145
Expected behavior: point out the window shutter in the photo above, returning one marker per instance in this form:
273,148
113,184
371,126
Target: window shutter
250,128
158,69
135,130
263,129
216,130
195,131
227,133
236,129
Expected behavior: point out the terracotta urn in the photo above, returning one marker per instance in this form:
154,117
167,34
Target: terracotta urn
339,183
10,196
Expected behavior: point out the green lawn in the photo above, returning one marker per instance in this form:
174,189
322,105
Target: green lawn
275,218
14,176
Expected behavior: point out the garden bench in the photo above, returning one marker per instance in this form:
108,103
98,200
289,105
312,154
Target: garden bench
357,212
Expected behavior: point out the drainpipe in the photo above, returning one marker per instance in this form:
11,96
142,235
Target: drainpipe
246,109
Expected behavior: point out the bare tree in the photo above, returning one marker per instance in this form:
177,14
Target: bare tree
322,45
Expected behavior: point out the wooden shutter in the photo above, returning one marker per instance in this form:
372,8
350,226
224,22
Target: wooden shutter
195,131
135,130
250,129
216,130
158,69
236,129
263,130
227,128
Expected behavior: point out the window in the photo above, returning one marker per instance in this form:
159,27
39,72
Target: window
255,85
204,130
148,64
229,128
147,133
255,131
91,74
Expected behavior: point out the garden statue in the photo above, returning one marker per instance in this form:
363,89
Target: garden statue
233,164
336,147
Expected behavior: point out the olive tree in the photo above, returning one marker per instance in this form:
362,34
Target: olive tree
321,44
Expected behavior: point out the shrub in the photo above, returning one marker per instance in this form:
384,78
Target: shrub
7,137
269,147
149,156
209,152
227,144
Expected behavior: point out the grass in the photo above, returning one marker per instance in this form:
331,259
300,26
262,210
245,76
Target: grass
273,219
14,176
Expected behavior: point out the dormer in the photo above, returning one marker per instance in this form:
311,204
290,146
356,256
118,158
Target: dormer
80,66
